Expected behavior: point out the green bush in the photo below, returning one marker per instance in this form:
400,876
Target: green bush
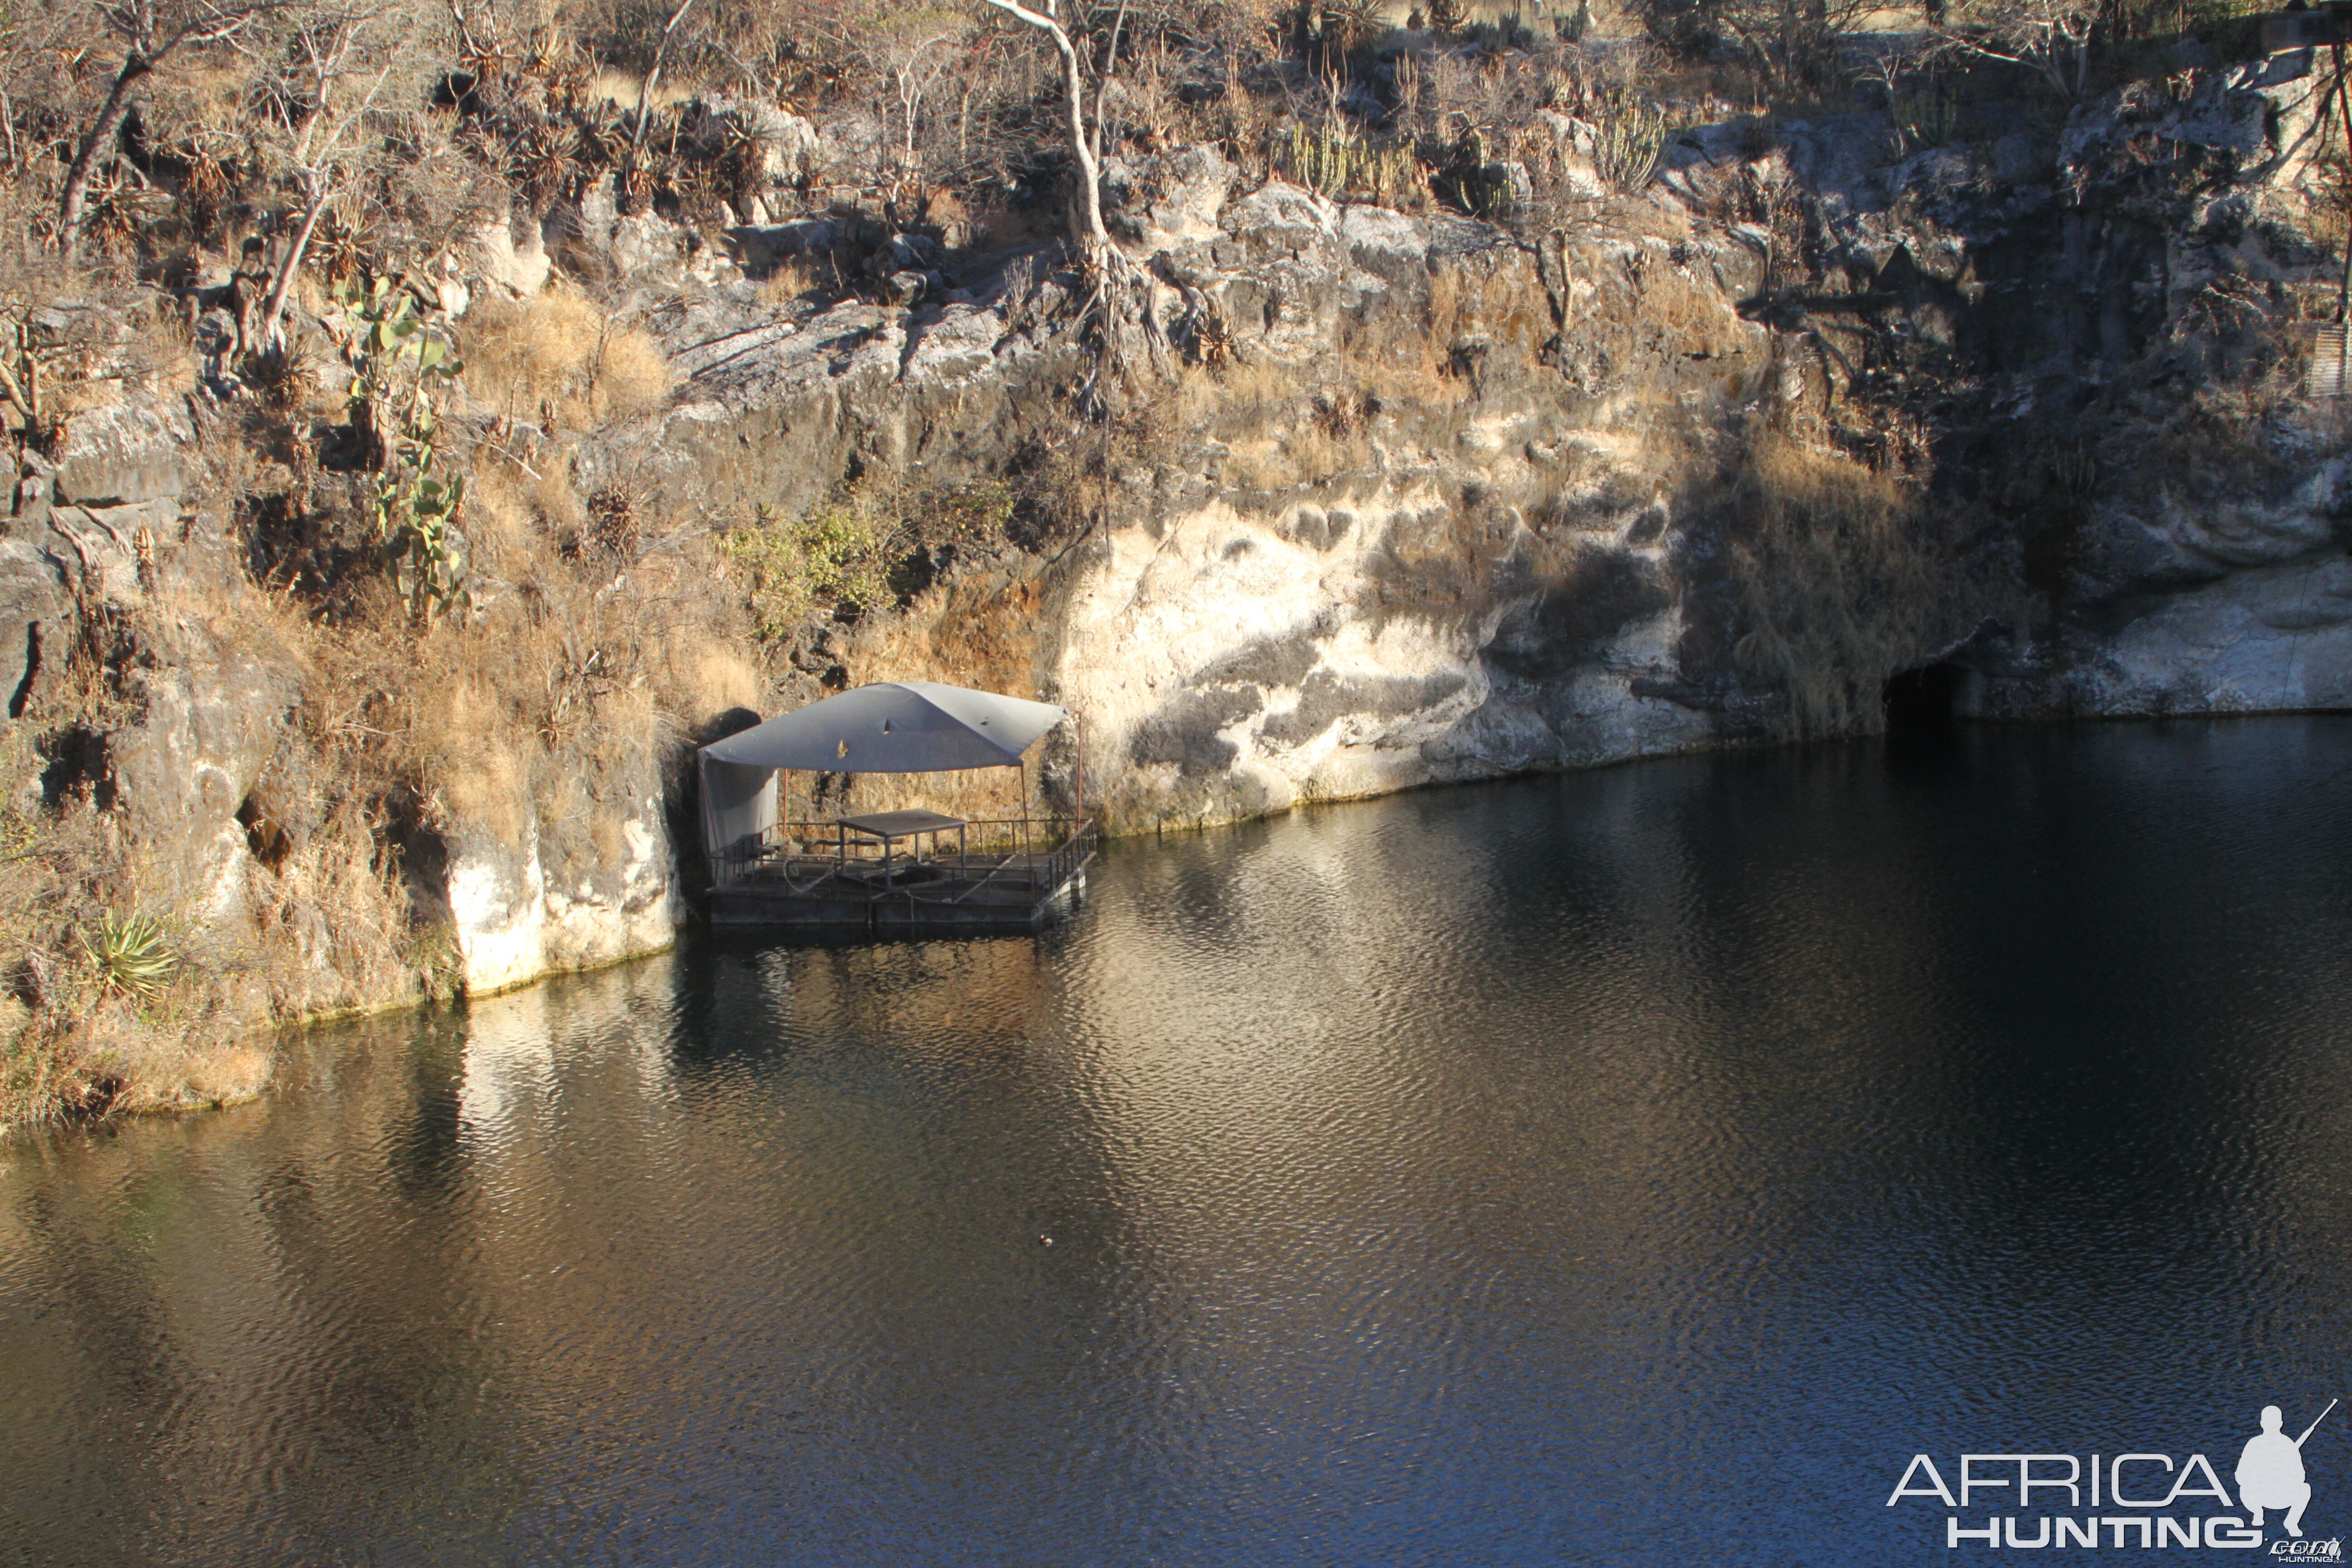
838,553
1927,117
850,553
396,364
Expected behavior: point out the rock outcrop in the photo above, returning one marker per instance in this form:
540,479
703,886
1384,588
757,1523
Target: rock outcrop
197,689
1460,501
594,882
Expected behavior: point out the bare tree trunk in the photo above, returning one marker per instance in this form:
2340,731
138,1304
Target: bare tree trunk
267,335
1109,68
1093,240
99,141
1121,309
653,77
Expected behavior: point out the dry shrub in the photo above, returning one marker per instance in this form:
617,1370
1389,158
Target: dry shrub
632,376
481,720
557,360
340,928
1264,415
711,679
1063,488
500,517
514,507
467,759
56,866
521,354
1843,576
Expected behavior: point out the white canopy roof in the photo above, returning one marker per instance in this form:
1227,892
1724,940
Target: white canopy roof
894,727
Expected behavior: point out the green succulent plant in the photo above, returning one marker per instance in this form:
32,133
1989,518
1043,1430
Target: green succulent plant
398,363
130,953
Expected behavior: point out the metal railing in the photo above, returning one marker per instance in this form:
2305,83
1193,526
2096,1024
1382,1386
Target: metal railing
810,859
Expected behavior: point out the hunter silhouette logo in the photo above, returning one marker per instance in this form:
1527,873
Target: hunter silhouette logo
2270,1472
2155,1501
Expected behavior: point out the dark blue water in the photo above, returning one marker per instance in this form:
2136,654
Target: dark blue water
1633,1167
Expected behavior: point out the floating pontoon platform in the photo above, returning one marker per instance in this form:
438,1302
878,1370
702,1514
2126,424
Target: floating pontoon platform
876,873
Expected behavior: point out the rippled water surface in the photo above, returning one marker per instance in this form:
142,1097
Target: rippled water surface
1632,1167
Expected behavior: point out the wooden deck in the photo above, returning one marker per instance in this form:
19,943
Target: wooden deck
784,885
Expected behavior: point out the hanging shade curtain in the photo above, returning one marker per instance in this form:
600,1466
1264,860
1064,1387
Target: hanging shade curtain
893,727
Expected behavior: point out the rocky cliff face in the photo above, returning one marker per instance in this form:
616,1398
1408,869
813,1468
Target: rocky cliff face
1354,557
195,733
1452,501
1392,500
561,896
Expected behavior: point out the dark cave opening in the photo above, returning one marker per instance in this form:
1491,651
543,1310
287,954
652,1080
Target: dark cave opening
1922,702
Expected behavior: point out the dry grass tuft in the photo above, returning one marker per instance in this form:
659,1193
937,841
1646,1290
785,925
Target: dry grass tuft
795,279
1403,359
714,680
632,376
556,360
484,723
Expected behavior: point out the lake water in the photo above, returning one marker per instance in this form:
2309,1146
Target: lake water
1637,1166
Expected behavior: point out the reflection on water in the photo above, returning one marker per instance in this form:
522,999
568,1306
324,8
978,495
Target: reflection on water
1613,1168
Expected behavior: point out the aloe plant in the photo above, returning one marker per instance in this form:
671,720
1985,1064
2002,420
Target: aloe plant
129,954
